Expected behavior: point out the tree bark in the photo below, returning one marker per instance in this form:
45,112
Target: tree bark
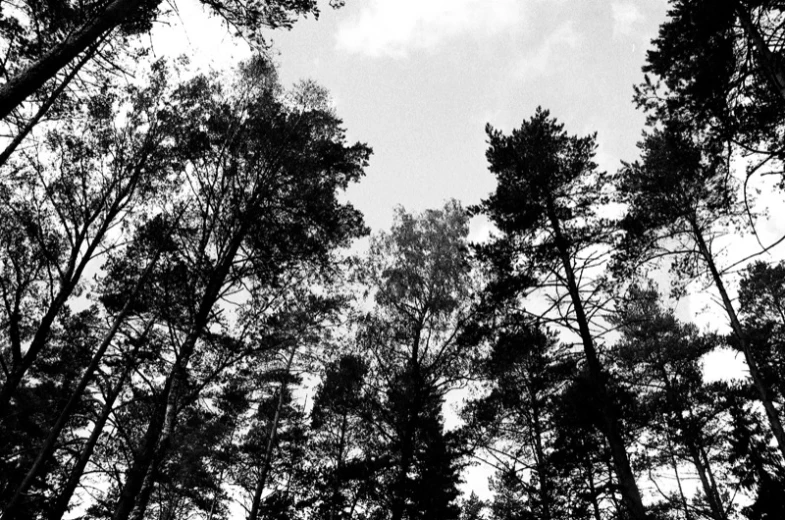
23,84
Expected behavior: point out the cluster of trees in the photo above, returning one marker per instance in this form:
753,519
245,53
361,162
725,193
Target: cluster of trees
183,334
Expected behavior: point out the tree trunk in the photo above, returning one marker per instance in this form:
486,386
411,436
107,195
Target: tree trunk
741,337
72,274
268,451
26,82
150,451
65,414
542,466
407,438
675,466
44,108
593,490
708,489
339,467
610,422
167,415
61,501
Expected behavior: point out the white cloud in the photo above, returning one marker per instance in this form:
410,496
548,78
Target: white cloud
626,16
548,56
397,27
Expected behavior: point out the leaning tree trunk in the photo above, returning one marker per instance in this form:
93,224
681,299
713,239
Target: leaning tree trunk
741,337
23,84
165,415
49,445
611,425
61,501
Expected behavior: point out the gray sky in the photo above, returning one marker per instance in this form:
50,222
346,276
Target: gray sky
418,79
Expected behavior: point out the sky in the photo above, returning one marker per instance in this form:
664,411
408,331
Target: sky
419,79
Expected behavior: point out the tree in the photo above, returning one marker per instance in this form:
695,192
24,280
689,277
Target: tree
338,431
661,358
544,206
264,178
722,65
514,424
419,277
472,508
254,175
71,29
62,210
762,311
678,198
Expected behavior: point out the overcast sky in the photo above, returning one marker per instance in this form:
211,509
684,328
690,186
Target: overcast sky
419,79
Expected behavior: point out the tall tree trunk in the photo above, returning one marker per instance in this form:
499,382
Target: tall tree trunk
23,84
73,272
271,438
593,490
741,337
717,512
61,501
339,467
400,489
149,452
542,465
65,414
50,100
675,466
611,427
155,443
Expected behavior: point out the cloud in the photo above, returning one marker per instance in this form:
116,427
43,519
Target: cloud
397,27
548,56
626,16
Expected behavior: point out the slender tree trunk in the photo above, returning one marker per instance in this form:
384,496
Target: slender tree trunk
708,489
339,467
26,82
593,490
720,509
65,414
72,274
62,500
400,491
44,108
145,458
741,337
155,443
271,438
675,466
542,471
611,425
